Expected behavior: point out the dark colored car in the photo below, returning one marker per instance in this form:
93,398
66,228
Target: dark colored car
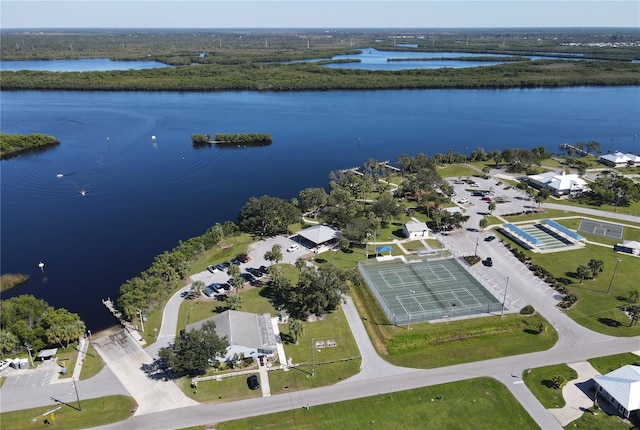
248,277
488,262
243,258
226,287
212,268
489,238
255,272
226,264
222,297
221,267
253,382
263,269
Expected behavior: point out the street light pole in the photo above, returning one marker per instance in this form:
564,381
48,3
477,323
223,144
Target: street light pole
476,251
75,385
504,299
412,292
29,348
313,362
614,274
141,321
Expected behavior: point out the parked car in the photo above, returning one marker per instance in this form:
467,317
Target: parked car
248,277
463,200
253,382
255,272
293,248
488,262
486,198
489,238
211,290
264,270
477,194
475,184
222,297
226,287
4,364
244,258
212,268
221,267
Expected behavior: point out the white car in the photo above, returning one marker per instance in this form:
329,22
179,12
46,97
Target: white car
293,248
4,364
463,200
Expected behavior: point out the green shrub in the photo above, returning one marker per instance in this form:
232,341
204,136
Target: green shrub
527,310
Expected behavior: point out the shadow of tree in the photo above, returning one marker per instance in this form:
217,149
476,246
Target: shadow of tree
609,322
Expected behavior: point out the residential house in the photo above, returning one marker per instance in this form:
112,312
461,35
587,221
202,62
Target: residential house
249,335
621,388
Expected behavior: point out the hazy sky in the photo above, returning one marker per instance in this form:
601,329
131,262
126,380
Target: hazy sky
317,14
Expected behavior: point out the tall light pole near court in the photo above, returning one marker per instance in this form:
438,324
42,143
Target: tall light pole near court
504,299
614,274
412,292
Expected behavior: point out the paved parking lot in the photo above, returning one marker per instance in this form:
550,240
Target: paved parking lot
515,200
256,254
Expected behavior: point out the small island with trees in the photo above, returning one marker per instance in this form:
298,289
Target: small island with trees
232,138
13,144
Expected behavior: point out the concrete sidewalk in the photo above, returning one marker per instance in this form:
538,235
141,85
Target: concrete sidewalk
577,400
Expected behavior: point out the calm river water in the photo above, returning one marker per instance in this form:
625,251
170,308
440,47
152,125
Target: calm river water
143,195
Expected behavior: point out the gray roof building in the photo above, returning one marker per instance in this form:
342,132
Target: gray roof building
621,388
249,334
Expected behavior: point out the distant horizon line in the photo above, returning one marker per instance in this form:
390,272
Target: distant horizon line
636,29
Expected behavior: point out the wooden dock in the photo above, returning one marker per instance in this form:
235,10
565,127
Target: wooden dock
578,151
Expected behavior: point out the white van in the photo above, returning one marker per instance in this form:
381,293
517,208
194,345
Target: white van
463,200
293,248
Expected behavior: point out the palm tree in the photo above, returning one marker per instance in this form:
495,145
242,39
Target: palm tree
234,302
234,272
296,328
196,289
492,206
483,223
582,272
596,266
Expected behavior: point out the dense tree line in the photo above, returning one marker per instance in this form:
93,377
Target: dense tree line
11,144
161,278
243,138
311,76
26,320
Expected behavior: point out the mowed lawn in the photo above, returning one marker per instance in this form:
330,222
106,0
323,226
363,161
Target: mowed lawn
477,404
596,309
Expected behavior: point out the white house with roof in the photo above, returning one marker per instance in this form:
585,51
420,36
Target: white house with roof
559,184
618,159
621,388
415,229
250,335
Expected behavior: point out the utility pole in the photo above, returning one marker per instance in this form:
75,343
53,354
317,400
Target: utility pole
29,348
75,385
614,274
504,299
313,356
141,319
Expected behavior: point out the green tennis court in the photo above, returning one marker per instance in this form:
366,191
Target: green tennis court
427,290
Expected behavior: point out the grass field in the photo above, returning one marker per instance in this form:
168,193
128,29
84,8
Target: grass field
610,363
539,382
95,412
477,403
